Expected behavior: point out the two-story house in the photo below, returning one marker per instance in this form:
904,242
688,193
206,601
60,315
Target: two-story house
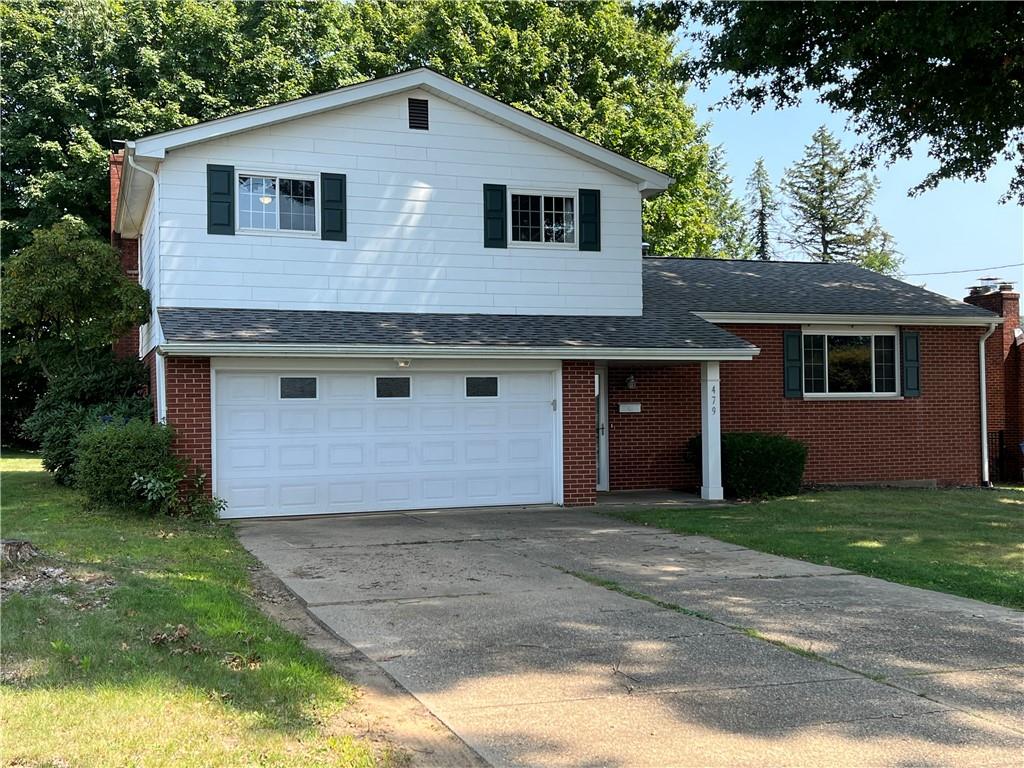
405,294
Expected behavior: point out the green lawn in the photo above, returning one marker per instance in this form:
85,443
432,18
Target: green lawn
967,542
87,679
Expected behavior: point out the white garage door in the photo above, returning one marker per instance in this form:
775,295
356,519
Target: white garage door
299,443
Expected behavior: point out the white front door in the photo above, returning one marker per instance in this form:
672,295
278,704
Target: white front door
601,430
299,442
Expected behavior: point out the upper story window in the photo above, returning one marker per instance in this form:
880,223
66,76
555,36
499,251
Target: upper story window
276,203
540,218
850,363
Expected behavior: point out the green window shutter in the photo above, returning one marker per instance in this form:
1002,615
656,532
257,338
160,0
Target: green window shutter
911,346
590,219
495,216
220,200
333,207
793,362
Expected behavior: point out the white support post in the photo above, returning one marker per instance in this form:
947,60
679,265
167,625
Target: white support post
711,432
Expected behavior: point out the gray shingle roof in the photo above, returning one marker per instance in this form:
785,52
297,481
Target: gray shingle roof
668,328
699,285
716,285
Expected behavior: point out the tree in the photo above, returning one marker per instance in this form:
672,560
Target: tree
763,209
732,240
67,297
951,74
79,76
829,217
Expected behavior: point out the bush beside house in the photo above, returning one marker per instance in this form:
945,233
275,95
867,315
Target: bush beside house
757,464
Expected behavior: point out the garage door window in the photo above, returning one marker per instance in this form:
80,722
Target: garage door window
298,387
392,386
481,386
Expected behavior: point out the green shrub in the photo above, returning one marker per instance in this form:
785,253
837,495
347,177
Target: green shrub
112,455
104,389
757,464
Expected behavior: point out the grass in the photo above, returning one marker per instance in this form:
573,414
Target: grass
967,542
84,683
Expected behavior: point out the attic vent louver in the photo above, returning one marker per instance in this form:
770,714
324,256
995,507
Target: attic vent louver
419,116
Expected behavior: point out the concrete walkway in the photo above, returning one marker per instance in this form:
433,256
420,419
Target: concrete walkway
567,638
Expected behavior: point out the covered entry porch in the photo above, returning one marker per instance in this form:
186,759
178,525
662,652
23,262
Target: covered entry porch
627,426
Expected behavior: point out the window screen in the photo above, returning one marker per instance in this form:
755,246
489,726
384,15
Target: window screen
298,387
392,386
481,386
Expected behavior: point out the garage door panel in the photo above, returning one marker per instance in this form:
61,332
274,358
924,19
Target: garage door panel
297,420
346,419
347,386
349,451
392,418
481,417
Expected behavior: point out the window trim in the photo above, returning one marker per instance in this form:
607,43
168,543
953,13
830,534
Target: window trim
391,376
574,194
870,331
281,377
278,175
465,386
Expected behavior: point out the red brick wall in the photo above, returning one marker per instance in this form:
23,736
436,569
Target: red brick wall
127,345
645,450
188,410
932,437
579,444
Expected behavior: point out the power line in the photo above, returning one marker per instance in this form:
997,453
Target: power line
962,271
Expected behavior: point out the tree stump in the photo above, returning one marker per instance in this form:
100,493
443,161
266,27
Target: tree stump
17,551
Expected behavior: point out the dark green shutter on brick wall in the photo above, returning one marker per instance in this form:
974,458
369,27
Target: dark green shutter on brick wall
495,216
220,200
911,347
793,367
333,207
590,219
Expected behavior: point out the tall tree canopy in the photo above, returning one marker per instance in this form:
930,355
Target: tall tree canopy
762,209
79,76
829,214
950,73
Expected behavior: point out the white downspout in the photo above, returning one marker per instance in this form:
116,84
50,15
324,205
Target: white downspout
984,406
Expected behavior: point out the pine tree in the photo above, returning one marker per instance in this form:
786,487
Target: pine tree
732,235
829,208
763,209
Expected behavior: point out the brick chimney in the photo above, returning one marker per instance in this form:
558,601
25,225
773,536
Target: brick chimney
127,345
1005,375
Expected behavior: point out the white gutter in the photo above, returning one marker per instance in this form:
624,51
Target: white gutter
262,349
794,318
984,405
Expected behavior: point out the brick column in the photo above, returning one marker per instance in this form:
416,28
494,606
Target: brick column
127,345
579,441
188,411
1003,375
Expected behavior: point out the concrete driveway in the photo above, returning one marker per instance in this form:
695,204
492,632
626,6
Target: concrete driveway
568,638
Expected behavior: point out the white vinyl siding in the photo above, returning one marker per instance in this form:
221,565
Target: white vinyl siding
415,221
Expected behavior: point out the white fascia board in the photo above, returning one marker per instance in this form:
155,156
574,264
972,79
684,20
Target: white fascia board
255,349
789,318
650,182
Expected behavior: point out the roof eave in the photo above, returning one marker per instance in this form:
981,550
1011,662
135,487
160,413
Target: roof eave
420,351
795,318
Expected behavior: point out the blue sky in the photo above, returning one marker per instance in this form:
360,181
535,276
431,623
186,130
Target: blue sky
953,227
